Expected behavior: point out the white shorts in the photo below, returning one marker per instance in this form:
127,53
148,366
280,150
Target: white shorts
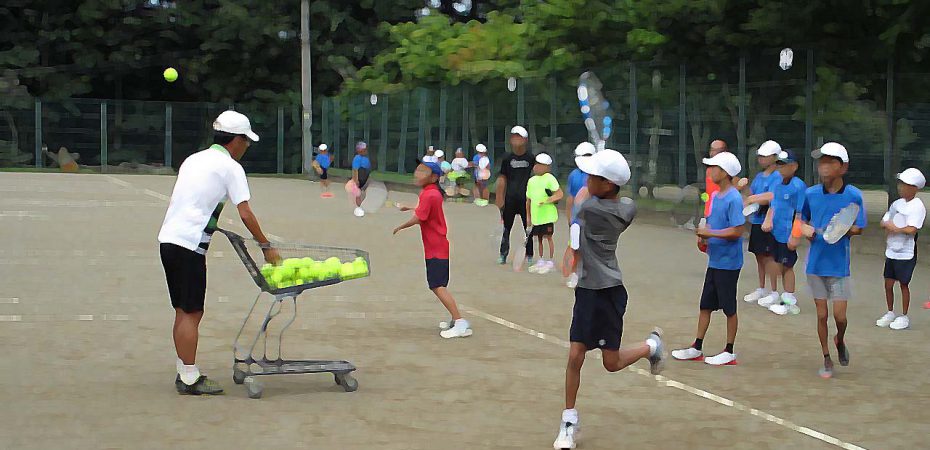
830,288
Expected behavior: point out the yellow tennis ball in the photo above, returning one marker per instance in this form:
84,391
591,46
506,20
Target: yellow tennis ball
704,197
171,74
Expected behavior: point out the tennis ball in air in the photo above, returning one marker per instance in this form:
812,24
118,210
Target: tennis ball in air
704,197
170,75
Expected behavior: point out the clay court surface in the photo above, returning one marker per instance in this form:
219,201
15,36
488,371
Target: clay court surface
88,362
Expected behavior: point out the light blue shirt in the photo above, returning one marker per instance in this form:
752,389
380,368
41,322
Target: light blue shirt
788,199
829,260
761,184
726,212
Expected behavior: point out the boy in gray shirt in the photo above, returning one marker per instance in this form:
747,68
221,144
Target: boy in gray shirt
600,298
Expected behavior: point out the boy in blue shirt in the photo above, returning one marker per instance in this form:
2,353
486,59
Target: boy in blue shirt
321,163
361,169
761,242
724,236
786,203
828,264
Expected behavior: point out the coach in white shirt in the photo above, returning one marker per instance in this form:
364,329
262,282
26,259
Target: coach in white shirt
205,180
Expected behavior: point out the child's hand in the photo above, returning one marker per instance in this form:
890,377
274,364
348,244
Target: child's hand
807,231
402,207
396,230
793,243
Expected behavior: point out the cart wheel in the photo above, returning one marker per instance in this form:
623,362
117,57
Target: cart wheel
348,382
253,387
238,376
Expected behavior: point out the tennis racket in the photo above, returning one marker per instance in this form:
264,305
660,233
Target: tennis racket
595,109
519,256
376,195
838,226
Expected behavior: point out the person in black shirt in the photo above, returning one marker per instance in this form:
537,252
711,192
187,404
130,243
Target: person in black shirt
516,170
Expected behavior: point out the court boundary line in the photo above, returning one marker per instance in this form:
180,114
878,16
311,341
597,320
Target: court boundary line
662,380
668,382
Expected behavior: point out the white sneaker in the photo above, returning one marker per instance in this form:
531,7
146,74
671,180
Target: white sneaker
779,309
568,434
359,212
885,320
535,268
572,282
688,354
794,309
900,323
460,329
722,359
755,295
789,299
771,299
546,267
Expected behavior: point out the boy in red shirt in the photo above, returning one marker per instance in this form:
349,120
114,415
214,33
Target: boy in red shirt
429,216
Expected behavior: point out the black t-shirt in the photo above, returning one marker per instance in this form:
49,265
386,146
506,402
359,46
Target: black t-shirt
518,169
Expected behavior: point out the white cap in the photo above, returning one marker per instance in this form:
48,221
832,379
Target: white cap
323,147
726,161
609,164
428,158
769,148
234,123
439,154
585,149
543,158
832,149
481,148
913,177
519,130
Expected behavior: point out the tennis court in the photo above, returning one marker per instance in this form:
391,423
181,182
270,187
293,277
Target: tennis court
85,323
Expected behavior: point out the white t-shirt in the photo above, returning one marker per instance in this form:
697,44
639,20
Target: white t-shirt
205,180
904,214
459,165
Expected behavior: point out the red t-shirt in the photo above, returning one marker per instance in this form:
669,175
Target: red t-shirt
711,189
432,223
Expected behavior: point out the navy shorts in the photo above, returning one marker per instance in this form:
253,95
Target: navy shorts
546,229
186,274
323,174
900,269
437,273
784,256
597,318
720,290
760,242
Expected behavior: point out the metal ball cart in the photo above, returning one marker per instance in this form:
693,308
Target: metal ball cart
246,364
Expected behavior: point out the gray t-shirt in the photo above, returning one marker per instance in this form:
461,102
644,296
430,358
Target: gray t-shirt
601,223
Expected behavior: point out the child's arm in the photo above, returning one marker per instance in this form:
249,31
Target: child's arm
768,223
763,199
730,234
529,214
414,220
556,196
574,233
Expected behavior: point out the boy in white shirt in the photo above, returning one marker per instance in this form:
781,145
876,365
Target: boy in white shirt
903,220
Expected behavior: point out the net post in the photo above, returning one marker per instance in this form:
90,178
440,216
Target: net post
103,137
38,121
682,126
169,134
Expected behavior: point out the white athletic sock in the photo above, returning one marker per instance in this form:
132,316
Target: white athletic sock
653,345
189,374
178,365
570,415
461,323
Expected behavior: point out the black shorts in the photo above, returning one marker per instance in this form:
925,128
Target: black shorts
186,274
760,242
783,255
720,291
323,174
437,273
597,317
900,269
546,229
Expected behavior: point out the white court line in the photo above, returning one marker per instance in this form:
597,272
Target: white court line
9,300
676,384
11,318
117,181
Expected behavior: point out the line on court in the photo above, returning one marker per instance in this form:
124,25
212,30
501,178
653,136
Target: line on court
675,384
9,300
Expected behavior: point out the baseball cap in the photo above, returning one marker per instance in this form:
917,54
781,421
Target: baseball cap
831,149
234,123
519,130
726,161
609,164
913,177
543,158
769,148
439,154
585,149
434,167
481,148
323,147
786,157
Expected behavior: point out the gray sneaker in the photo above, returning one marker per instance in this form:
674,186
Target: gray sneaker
502,260
842,352
657,360
203,386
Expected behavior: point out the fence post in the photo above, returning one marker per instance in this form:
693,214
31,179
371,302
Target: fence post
169,134
490,144
890,137
366,103
521,104
421,121
281,143
350,118
402,149
103,137
553,133
39,157
337,131
809,117
682,126
443,98
741,107
634,127
465,127
385,136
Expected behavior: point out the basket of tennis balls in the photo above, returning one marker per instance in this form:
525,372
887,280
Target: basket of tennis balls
308,271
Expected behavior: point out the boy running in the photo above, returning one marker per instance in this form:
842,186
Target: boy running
542,192
786,203
828,264
600,298
321,165
724,240
903,220
205,180
516,169
361,169
761,243
429,216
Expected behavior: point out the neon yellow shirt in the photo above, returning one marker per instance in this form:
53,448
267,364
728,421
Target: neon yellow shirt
536,193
